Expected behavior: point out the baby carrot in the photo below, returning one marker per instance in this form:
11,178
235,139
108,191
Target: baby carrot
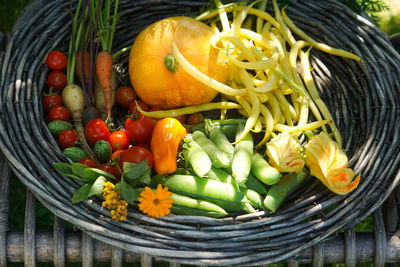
104,63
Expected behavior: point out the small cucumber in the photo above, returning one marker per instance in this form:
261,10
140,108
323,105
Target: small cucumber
56,127
75,153
102,151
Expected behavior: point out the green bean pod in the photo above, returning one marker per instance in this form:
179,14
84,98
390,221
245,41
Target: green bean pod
284,187
228,126
203,188
245,206
218,158
222,142
263,171
242,156
219,174
253,183
184,205
197,158
254,198
183,210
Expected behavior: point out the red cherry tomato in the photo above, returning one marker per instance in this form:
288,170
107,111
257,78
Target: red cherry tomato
67,138
96,130
59,113
194,118
119,140
56,80
140,130
56,60
124,96
110,169
181,118
115,154
136,154
50,101
88,162
142,105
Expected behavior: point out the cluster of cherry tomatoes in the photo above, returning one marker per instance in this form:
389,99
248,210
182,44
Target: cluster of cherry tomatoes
52,101
129,144
132,142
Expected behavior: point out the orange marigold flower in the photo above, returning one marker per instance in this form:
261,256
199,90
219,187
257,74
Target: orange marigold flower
155,204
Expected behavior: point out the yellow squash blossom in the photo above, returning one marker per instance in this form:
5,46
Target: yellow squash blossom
284,153
155,204
327,162
114,203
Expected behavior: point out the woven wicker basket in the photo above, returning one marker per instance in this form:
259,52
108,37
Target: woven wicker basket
364,100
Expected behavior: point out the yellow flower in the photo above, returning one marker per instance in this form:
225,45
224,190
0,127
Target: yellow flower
284,153
114,203
155,204
327,162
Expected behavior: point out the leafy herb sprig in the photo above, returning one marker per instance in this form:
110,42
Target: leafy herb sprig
133,175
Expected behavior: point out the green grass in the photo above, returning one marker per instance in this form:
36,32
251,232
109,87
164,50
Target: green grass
9,12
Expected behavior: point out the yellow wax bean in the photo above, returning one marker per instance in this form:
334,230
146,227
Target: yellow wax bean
258,39
312,89
188,110
276,109
269,125
235,41
300,128
220,87
320,46
255,65
284,29
283,102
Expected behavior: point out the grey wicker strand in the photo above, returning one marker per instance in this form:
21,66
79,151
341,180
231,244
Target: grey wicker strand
4,207
363,97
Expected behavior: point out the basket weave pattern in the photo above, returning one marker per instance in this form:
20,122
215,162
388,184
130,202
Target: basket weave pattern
363,98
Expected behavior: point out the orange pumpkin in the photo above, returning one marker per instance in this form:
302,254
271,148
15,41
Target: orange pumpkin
158,80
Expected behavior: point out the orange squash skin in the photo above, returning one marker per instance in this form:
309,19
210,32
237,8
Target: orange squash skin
158,86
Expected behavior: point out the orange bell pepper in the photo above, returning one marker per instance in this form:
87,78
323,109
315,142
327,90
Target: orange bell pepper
165,140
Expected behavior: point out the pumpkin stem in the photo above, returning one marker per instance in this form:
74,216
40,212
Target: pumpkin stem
171,63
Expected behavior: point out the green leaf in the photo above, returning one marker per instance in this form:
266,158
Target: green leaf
98,186
146,177
98,172
89,189
127,192
66,169
80,170
156,180
133,171
81,194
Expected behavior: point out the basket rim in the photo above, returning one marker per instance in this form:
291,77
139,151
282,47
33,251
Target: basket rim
378,76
